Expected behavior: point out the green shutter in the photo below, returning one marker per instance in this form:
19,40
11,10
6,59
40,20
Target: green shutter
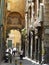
9,43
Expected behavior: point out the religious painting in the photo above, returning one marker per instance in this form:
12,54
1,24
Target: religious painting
14,19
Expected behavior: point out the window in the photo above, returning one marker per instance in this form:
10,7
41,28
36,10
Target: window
8,5
29,13
10,43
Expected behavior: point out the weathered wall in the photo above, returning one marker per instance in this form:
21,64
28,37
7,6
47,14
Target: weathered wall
46,30
18,6
1,22
46,22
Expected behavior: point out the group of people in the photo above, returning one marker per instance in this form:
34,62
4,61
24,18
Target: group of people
9,53
12,53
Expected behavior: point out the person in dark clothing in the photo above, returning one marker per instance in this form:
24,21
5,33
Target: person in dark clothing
10,56
21,54
14,53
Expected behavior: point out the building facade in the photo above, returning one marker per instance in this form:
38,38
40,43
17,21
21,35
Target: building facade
34,24
11,18
37,25
1,29
46,30
35,15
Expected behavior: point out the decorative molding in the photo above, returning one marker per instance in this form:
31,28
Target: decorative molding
14,19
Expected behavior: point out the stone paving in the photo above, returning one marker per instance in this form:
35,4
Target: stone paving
24,62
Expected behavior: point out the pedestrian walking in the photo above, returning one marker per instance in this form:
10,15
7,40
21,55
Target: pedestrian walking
10,55
14,51
21,54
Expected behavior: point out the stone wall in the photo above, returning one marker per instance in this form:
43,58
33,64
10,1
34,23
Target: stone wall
46,22
46,30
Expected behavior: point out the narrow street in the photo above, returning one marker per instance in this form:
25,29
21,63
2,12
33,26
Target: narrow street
24,62
24,28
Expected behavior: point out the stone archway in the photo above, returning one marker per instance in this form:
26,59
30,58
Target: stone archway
14,22
15,36
14,19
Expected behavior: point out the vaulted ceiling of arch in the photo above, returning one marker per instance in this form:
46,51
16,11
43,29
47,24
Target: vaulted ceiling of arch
17,6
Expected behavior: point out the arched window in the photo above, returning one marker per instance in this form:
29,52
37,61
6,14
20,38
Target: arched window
29,13
14,18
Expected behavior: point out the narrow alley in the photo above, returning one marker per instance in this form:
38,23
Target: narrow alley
24,28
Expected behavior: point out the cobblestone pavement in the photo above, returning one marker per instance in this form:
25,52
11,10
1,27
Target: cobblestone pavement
24,62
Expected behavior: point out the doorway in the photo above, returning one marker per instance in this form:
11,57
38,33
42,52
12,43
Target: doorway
15,37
